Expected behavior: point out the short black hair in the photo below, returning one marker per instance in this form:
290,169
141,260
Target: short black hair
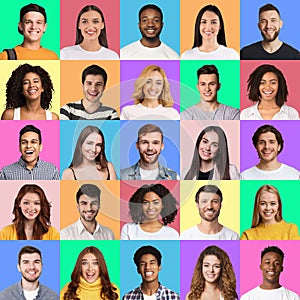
209,188
28,250
268,7
146,250
272,249
150,6
31,128
208,69
90,190
94,70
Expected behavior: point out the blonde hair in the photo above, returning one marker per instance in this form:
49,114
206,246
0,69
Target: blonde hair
165,99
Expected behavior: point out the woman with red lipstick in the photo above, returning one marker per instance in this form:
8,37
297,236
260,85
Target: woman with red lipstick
91,41
29,94
211,159
267,221
32,217
214,277
90,278
152,97
267,87
89,159
151,208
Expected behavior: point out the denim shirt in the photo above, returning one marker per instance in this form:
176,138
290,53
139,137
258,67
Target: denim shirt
133,173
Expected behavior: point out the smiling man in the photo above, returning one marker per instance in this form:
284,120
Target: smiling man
149,46
209,108
149,144
269,24
94,80
32,26
30,266
271,267
148,262
209,202
87,228
268,143
30,166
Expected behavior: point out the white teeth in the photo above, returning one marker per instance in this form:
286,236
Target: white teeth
148,273
29,152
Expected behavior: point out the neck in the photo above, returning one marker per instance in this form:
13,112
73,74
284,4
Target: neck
267,104
210,287
152,43
29,286
269,166
31,45
31,165
206,165
273,46
149,288
89,106
209,45
151,103
270,285
208,106
33,106
90,45
145,166
89,226
210,227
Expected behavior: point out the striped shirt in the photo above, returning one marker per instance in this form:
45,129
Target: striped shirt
76,111
19,171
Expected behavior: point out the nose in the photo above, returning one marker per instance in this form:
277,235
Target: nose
209,204
150,22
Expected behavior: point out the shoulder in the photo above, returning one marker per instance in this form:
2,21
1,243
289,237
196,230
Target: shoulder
134,292
172,54
291,49
248,173
64,290
190,54
189,234
249,51
228,53
54,116
48,293
52,234
68,174
248,295
290,293
230,113
230,234
233,172
8,114
8,232
11,291
168,293
109,54
189,113
285,167
129,47
247,112
291,112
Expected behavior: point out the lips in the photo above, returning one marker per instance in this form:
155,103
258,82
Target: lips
149,273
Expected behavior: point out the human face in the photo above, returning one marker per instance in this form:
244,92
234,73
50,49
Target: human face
30,206
267,147
152,206
208,87
30,147
154,86
148,268
209,26
150,145
30,267
32,86
91,146
271,267
268,87
93,88
88,207
33,26
90,25
209,206
150,24
90,270
268,207
269,25
211,268
209,146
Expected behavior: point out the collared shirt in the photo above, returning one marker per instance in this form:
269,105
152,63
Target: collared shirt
133,173
19,171
15,292
162,293
77,231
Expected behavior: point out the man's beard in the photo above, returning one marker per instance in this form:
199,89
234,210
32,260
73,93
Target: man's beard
270,39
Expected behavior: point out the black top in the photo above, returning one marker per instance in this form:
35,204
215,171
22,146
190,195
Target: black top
205,175
108,175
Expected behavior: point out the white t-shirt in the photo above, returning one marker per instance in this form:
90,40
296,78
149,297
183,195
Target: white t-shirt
132,231
221,52
148,174
283,172
76,52
286,113
141,112
194,233
275,294
152,297
31,295
136,50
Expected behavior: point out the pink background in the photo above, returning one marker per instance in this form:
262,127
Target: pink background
69,11
251,275
290,70
9,190
10,149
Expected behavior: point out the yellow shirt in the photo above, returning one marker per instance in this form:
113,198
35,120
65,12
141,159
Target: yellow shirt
278,231
9,232
28,54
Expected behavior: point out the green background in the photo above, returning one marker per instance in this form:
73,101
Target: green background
10,17
229,92
289,191
69,251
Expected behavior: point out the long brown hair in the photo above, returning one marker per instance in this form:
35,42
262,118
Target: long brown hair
42,221
108,291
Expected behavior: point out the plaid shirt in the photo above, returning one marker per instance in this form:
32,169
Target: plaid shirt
162,293
18,171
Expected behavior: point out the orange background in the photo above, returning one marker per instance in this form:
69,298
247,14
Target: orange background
109,214
230,13
71,86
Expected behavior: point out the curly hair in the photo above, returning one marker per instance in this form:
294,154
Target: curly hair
42,221
14,86
254,82
100,159
165,98
226,281
169,210
108,291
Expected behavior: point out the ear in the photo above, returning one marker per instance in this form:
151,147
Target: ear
219,86
102,25
281,24
18,267
197,86
45,28
41,147
20,26
137,145
159,268
162,146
